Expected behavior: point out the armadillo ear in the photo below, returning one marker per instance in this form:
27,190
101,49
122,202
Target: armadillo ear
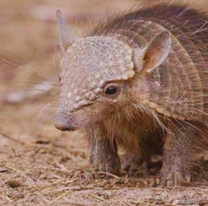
156,52
66,37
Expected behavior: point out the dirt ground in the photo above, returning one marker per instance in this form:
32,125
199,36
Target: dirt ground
40,165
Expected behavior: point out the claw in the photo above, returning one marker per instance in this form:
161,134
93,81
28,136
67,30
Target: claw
174,179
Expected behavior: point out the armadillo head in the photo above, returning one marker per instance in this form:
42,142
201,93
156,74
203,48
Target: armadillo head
94,74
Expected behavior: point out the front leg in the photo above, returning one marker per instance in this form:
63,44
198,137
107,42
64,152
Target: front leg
103,151
177,155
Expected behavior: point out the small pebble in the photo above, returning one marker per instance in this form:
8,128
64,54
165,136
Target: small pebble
12,183
183,202
3,169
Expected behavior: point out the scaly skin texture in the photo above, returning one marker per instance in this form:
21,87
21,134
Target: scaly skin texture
177,155
139,81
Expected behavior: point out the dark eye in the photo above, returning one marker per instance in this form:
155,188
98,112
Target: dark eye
111,90
59,78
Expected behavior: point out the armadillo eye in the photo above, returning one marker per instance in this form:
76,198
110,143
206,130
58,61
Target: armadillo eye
111,90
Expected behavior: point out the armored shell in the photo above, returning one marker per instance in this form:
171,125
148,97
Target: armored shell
179,86
111,56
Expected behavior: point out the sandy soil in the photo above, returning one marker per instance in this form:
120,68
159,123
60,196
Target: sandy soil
40,165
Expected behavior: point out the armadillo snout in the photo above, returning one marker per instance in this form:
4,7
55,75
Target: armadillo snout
64,122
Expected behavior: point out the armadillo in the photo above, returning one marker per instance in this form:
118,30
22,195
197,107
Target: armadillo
139,81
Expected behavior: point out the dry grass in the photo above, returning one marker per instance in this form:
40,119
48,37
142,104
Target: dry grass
38,164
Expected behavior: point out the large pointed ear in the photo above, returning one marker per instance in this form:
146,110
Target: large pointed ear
66,37
155,53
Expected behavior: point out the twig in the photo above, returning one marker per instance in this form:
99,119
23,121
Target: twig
9,62
46,200
202,193
193,188
108,174
70,181
8,199
55,169
59,197
20,172
11,138
127,203
95,196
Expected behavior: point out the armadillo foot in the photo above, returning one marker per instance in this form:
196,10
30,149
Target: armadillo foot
175,178
104,156
176,156
113,166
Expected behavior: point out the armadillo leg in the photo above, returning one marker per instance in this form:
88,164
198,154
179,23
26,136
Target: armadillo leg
103,153
176,156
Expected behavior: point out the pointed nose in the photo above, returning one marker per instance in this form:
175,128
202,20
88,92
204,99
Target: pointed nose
63,122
